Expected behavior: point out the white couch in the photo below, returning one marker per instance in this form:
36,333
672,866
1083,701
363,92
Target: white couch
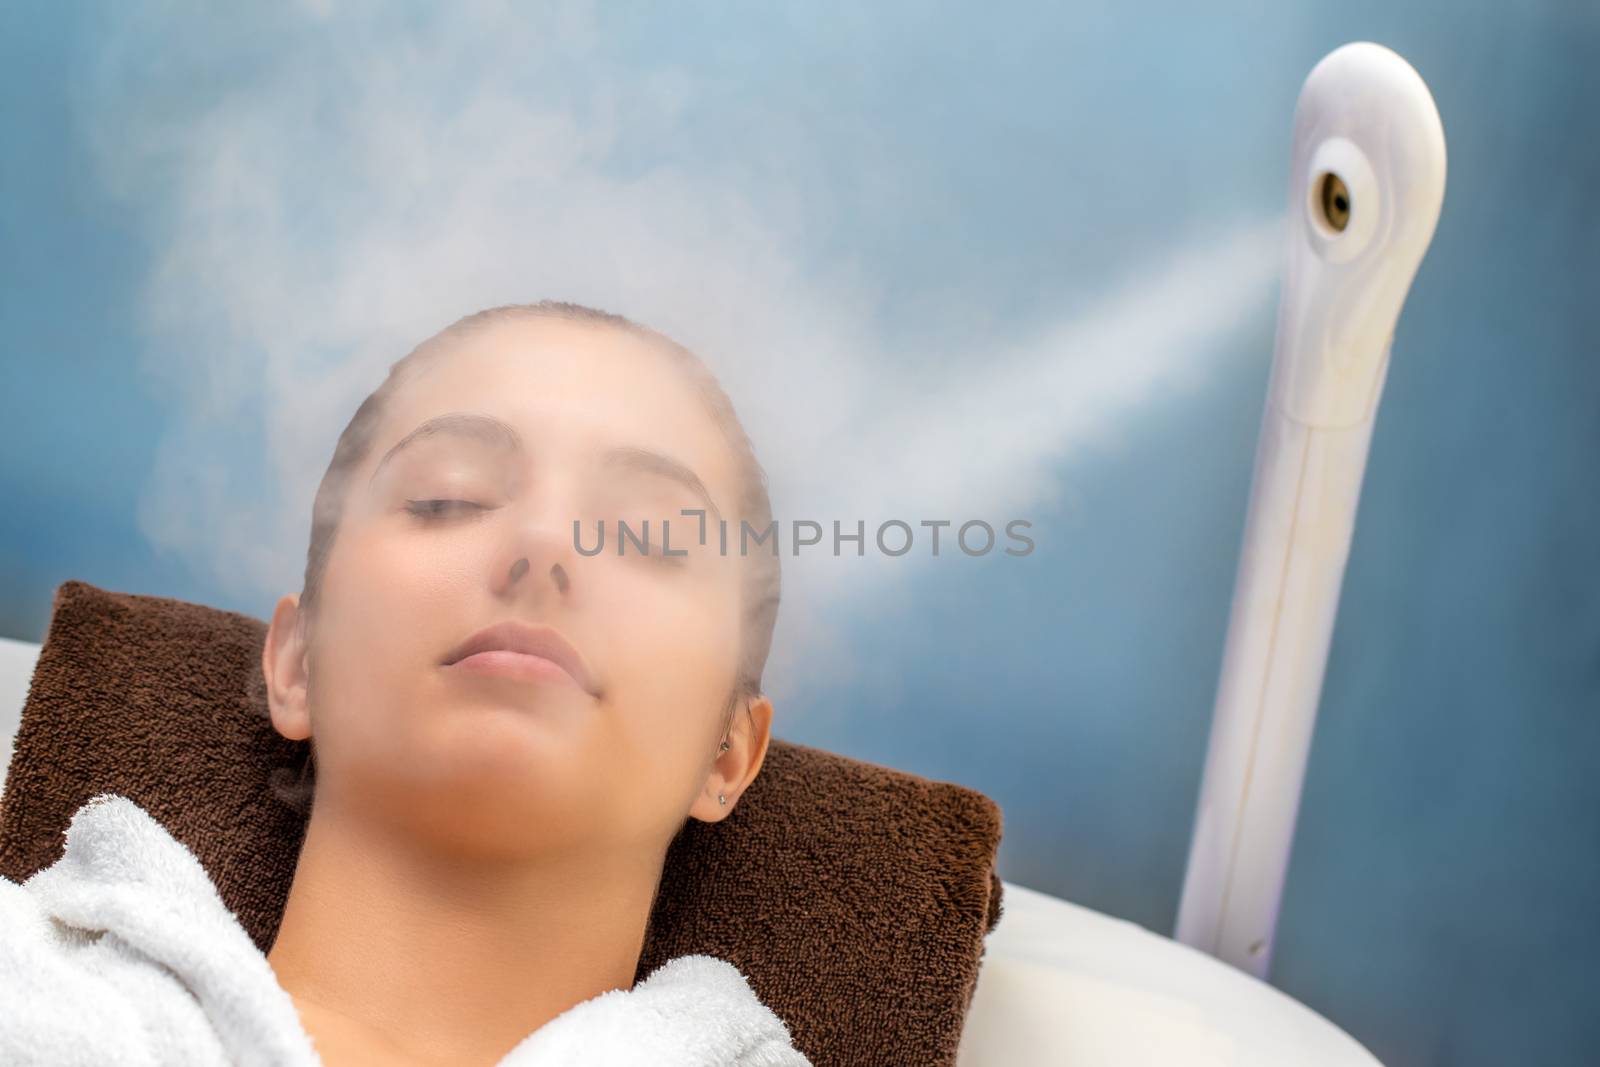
1062,984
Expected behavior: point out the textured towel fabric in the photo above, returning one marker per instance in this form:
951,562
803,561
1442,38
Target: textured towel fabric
122,952
854,897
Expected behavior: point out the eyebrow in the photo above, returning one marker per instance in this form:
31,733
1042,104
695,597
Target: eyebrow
648,462
493,431
485,428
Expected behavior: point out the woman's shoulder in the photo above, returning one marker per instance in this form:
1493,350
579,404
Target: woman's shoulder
75,994
120,871
111,953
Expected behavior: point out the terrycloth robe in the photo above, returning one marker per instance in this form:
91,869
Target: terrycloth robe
123,952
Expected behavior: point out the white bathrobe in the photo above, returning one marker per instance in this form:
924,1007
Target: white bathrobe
122,952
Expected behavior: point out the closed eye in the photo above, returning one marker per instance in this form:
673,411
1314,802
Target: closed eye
428,510
653,547
656,553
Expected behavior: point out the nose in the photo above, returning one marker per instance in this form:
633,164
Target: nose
558,574
536,560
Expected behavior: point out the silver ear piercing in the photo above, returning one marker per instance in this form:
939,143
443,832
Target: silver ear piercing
721,799
724,746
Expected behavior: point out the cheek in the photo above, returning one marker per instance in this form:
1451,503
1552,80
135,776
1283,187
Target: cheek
379,635
386,589
675,648
664,623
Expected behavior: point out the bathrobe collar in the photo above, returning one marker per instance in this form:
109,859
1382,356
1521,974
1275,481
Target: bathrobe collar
123,872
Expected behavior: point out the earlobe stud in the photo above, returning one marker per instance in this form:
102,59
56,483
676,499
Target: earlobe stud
721,799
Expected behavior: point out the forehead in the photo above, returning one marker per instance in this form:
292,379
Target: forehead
571,390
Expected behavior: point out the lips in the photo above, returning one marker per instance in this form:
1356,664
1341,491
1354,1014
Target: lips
528,640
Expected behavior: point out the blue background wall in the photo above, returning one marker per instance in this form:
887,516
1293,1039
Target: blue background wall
1442,904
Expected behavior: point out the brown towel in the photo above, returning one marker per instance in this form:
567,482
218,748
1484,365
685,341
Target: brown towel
853,896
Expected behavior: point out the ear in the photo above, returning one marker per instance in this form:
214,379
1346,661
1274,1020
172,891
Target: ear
733,771
283,664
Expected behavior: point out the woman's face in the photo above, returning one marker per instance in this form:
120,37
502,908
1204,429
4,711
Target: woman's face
552,421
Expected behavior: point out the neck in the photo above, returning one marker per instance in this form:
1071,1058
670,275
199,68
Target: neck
441,958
